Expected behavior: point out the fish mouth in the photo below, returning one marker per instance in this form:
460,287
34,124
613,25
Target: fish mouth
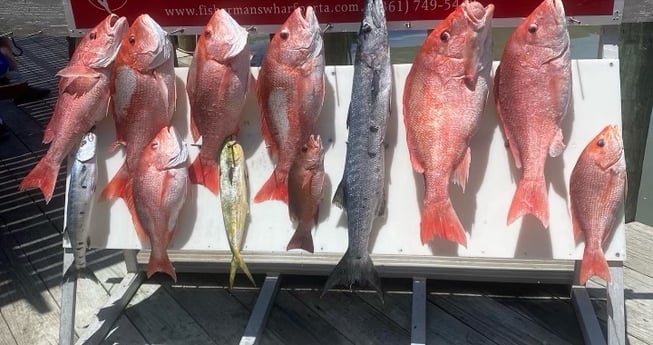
558,8
476,13
113,20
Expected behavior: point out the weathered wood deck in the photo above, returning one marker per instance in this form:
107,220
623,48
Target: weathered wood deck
200,310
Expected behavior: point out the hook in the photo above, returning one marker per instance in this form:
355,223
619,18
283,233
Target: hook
178,31
251,29
573,20
327,28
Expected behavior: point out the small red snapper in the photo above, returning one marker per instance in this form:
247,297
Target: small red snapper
290,95
444,96
83,100
217,86
532,89
159,190
597,188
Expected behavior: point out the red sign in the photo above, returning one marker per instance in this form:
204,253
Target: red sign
189,13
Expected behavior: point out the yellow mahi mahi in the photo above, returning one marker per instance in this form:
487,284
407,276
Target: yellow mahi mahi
233,198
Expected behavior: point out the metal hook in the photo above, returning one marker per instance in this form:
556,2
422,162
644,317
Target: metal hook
327,28
178,31
573,20
251,29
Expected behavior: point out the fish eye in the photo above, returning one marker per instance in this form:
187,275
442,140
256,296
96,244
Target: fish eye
92,35
445,35
600,142
532,28
132,39
367,28
284,34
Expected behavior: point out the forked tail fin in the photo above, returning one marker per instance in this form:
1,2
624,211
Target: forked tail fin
530,197
302,238
594,264
354,270
273,189
205,172
439,218
42,176
238,261
160,263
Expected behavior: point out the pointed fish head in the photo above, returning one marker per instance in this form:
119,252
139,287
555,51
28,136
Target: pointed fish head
545,27
232,154
606,149
373,33
465,35
223,38
312,153
87,147
166,151
298,39
146,45
99,47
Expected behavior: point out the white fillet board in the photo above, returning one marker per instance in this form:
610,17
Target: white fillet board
482,208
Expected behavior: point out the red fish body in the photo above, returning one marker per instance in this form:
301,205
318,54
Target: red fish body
159,191
597,188
83,100
532,89
305,182
290,95
217,87
444,97
143,98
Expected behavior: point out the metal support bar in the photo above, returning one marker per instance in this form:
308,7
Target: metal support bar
68,299
261,311
105,318
609,42
616,323
131,261
589,325
418,327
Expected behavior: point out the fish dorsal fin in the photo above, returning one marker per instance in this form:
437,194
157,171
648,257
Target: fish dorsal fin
340,199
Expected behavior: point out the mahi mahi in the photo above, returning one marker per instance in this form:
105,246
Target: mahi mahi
361,191
81,188
233,198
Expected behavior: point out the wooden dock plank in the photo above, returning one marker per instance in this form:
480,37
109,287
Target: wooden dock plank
441,327
639,239
353,317
497,322
161,319
24,299
6,338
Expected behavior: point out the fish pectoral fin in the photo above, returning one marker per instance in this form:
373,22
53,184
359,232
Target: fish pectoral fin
578,232
461,173
339,199
382,205
557,146
163,87
78,71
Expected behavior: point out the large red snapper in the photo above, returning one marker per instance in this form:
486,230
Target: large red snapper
143,99
444,96
159,189
597,188
532,90
217,86
83,100
290,95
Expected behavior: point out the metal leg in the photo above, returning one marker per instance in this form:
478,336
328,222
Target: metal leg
68,297
589,325
616,323
130,260
608,42
261,311
418,327
105,318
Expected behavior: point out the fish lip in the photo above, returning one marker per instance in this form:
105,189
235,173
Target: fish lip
488,15
113,20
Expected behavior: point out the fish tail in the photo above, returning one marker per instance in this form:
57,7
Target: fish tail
160,263
439,218
205,172
238,261
530,197
116,187
594,264
354,269
302,238
273,189
42,176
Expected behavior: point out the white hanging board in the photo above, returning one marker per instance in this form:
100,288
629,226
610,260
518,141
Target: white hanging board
482,209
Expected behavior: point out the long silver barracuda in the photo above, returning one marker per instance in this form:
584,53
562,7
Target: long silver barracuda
361,191
233,199
81,189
